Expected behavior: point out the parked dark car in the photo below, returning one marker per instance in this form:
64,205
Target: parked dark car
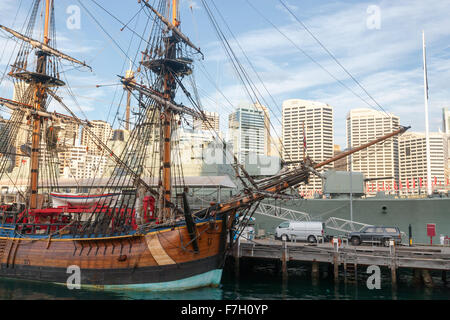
376,234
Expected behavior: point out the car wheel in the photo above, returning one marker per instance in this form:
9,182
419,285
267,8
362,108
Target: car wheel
355,241
386,242
284,236
312,239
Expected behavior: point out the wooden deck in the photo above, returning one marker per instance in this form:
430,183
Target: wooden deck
417,257
420,258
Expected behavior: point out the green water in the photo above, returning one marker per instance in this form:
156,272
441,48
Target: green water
255,282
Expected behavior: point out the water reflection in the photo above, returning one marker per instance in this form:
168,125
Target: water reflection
261,282
193,294
30,290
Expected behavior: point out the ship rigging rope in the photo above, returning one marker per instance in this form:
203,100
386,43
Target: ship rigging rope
117,45
15,46
115,117
11,131
237,233
210,127
193,102
333,57
246,81
74,98
107,34
125,25
298,48
283,149
309,56
155,38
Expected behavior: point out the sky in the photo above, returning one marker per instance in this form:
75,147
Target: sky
379,43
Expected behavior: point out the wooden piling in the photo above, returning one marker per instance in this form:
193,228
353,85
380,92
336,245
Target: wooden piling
237,257
284,271
332,256
417,277
336,260
315,272
345,271
329,270
394,275
393,264
427,279
336,267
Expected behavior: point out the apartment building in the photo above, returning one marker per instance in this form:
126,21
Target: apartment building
413,162
307,124
102,130
211,123
76,162
249,131
380,160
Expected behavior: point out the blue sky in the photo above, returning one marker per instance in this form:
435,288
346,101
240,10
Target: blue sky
386,60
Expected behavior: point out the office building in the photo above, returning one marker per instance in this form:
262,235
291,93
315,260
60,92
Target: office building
76,162
413,162
379,161
249,130
310,124
211,123
99,128
446,127
446,120
69,134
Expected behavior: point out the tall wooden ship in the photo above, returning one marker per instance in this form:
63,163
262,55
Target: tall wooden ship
132,234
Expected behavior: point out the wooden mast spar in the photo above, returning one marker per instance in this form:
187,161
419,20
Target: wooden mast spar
39,104
167,117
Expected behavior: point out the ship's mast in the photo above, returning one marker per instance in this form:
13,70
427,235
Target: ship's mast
130,77
169,92
168,66
44,76
39,104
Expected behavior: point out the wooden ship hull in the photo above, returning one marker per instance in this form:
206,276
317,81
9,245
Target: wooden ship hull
161,259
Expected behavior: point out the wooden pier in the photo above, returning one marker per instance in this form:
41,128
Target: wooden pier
420,258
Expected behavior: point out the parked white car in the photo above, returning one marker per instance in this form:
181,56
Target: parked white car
305,230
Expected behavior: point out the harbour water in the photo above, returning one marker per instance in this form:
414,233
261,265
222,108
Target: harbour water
259,282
